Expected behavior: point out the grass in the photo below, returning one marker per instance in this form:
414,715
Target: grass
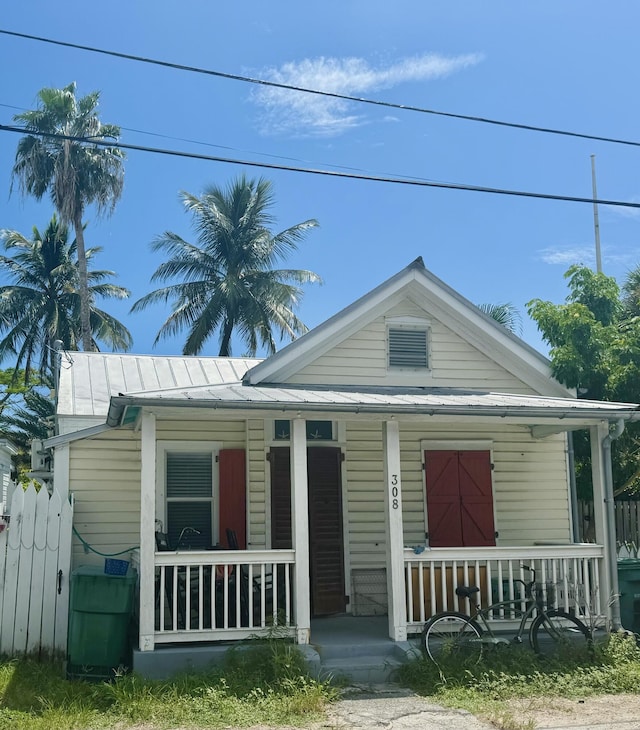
263,682
267,682
512,673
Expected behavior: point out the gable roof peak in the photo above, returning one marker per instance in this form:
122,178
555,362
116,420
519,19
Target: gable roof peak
417,264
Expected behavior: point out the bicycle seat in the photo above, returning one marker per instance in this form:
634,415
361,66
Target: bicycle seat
466,591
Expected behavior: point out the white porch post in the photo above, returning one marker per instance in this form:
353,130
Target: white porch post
300,525
61,470
596,436
147,530
395,538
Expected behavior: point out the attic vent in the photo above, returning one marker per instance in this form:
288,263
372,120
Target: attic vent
408,348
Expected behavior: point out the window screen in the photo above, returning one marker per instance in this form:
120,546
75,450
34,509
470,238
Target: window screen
189,490
408,348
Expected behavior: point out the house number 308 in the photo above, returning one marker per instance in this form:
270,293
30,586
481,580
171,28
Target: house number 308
394,491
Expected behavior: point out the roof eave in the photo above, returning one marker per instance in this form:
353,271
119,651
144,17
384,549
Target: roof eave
119,404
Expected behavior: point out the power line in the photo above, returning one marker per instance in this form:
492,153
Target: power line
326,173
330,94
217,146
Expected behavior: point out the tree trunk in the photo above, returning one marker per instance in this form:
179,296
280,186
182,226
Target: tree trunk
225,344
85,325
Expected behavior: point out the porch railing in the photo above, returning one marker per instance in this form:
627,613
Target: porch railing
570,575
222,594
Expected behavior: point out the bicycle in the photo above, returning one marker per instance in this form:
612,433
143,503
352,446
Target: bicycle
450,634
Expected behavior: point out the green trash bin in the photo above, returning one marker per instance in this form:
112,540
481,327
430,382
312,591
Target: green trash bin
629,587
100,613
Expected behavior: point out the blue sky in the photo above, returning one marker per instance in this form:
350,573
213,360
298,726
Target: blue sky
569,65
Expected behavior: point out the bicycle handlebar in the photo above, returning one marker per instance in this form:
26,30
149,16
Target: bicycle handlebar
531,570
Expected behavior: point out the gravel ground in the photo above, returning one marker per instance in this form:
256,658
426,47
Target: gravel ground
600,712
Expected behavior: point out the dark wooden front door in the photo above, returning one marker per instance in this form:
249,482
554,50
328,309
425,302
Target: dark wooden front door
325,522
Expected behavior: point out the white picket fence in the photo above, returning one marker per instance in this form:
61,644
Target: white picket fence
35,562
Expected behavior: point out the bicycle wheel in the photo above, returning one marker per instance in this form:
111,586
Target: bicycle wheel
554,632
452,635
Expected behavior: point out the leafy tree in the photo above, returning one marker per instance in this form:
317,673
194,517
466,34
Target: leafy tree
594,341
228,281
505,314
75,173
13,385
42,304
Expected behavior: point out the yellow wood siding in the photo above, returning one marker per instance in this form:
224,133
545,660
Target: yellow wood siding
104,476
361,359
365,495
257,503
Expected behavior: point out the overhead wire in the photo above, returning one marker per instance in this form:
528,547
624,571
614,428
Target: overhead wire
326,173
318,92
217,146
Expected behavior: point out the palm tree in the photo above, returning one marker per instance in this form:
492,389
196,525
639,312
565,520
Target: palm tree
42,304
631,293
228,283
75,173
505,314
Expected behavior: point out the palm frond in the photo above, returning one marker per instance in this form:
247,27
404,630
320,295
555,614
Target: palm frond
505,314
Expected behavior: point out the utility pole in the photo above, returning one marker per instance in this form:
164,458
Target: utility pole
596,223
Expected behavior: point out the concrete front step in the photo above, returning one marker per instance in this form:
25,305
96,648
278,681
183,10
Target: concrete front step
370,661
366,669
342,650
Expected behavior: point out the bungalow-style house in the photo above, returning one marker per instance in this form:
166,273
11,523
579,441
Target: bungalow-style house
405,446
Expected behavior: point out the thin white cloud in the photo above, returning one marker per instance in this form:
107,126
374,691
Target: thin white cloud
586,256
300,113
568,256
628,258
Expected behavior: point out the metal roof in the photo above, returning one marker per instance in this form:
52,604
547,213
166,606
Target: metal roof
89,379
389,400
103,384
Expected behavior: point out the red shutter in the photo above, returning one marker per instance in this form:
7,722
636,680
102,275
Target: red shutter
443,499
476,498
233,496
459,498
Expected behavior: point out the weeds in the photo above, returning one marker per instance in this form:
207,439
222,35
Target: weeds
518,674
261,682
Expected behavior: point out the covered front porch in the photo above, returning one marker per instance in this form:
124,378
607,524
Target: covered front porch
209,596
193,597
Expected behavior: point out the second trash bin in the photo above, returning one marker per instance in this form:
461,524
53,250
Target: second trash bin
100,612
629,586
